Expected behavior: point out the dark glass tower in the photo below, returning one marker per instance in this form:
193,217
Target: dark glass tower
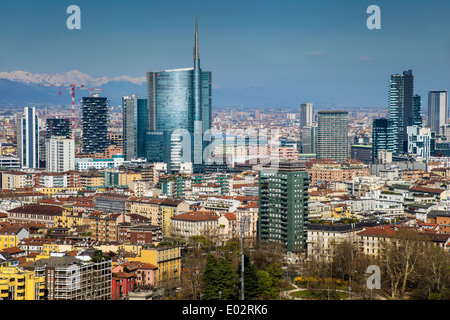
179,106
382,137
401,108
135,126
95,124
416,111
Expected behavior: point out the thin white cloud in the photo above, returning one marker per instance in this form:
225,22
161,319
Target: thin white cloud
316,54
365,58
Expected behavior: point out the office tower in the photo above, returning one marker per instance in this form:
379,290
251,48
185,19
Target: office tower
437,109
419,141
95,124
416,110
332,135
400,108
58,128
306,114
179,106
309,139
382,137
135,125
27,129
60,154
283,205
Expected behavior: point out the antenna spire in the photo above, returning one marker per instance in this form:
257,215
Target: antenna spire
196,53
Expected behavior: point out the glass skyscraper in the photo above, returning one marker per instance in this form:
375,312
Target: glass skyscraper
27,127
382,137
332,135
179,105
437,109
401,108
135,126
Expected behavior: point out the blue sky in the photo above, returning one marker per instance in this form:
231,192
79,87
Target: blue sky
265,52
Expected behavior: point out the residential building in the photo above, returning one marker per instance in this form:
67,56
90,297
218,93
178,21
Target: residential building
323,238
20,285
122,284
11,235
95,124
196,223
166,259
60,154
74,278
283,205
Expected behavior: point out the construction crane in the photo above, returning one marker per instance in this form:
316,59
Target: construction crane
72,88
93,89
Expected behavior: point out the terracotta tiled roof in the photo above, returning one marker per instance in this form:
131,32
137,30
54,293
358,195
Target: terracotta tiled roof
195,216
379,231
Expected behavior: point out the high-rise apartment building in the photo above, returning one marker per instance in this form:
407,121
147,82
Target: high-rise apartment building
332,135
27,129
58,127
179,106
306,114
283,205
60,154
437,109
135,126
401,108
95,124
382,137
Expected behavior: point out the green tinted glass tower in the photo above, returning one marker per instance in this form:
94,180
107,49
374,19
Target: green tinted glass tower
283,205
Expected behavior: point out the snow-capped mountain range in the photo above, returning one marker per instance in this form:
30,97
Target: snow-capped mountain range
22,88
74,76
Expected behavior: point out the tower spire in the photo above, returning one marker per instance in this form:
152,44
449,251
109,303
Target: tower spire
196,53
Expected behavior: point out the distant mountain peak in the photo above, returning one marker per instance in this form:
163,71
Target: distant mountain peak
69,77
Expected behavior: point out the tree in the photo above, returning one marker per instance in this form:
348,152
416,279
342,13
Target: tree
435,274
219,279
402,258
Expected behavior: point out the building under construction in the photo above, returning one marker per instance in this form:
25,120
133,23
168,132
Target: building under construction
95,124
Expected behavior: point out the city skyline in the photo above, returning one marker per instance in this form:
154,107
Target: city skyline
282,53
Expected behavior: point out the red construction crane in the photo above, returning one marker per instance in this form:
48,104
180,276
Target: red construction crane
72,92
94,89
